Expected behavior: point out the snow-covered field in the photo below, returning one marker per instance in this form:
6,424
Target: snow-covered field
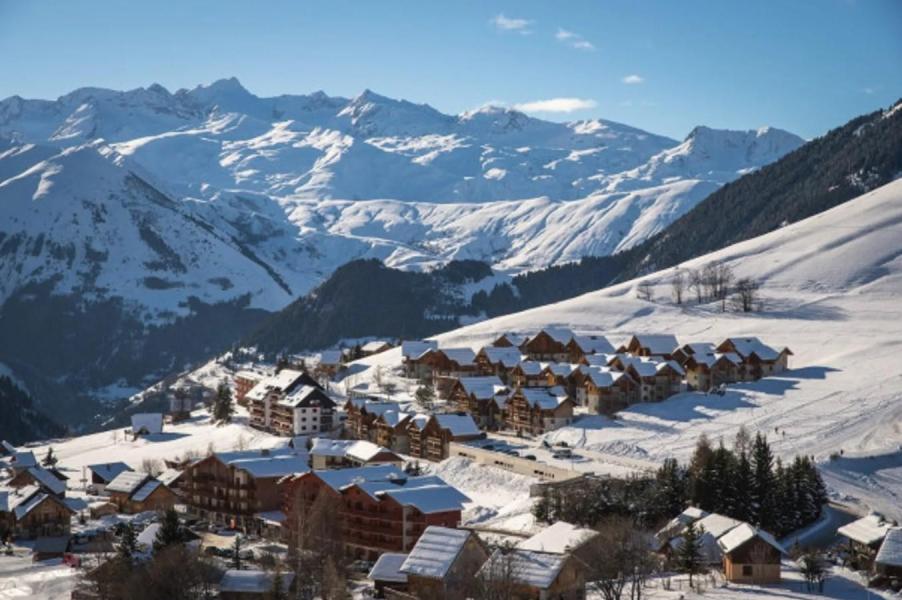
22,579
832,287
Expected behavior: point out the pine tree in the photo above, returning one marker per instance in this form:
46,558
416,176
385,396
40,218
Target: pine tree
763,510
542,508
50,459
700,473
236,553
689,555
785,501
170,531
128,544
222,405
720,476
742,488
425,395
671,487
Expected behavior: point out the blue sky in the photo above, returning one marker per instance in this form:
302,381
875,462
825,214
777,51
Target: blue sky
665,66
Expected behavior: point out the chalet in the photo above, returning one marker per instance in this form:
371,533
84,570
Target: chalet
252,584
390,430
180,404
711,527
30,512
658,380
510,340
386,574
537,575
682,353
538,410
677,525
411,353
750,555
232,487
362,415
375,347
380,508
103,474
443,564
329,363
498,361
134,492
563,538
429,437
580,346
549,344
445,365
20,461
560,374
147,424
41,477
711,370
285,404
888,562
476,395
244,381
527,373
326,453
660,346
171,478
604,390
758,359
864,538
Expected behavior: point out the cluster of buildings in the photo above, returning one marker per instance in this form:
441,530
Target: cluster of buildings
531,384
874,544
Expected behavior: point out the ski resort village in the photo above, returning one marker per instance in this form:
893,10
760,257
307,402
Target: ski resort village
659,438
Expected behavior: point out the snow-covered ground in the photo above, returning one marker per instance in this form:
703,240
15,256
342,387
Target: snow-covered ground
832,290
22,579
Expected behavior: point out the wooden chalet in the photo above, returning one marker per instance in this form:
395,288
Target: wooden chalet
329,363
750,555
134,492
102,474
660,346
581,346
549,344
888,562
476,396
375,347
682,354
386,574
603,390
390,430
327,453
538,410
430,436
864,537
537,575
527,373
510,340
443,564
445,365
362,414
709,371
31,512
412,352
561,375
657,380
758,359
45,479
497,361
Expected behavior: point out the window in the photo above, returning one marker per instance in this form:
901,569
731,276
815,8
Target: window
747,571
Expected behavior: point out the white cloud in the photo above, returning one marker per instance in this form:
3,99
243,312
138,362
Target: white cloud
573,39
503,23
556,105
633,79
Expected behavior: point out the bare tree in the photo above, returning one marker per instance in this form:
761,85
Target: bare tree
696,283
151,466
746,294
495,581
619,558
678,286
645,291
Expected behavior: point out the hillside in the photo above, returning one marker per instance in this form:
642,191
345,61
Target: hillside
21,421
830,289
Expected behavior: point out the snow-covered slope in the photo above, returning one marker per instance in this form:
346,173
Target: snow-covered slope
831,286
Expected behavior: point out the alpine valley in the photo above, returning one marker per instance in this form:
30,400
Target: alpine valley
142,231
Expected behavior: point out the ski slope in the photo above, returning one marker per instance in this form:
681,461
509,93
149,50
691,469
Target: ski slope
832,290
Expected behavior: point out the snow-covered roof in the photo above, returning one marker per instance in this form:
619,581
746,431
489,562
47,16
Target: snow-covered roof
416,348
375,345
558,538
274,465
593,344
482,388
561,335
300,394
252,581
746,346
11,498
109,471
388,568
149,422
374,408
710,359
282,381
507,356
169,476
527,567
603,377
48,480
890,552
33,500
458,425
272,517
679,522
695,348
147,537
339,478
544,398
144,492
662,343
715,525
867,530
428,499
562,369
9,448
435,552
127,482
517,339
330,357
463,356
361,450
393,418
530,367
23,460
741,534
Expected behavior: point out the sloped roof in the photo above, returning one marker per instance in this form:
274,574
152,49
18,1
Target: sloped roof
527,567
507,356
517,339
109,471
11,498
419,421
416,348
339,478
388,568
144,492
890,552
741,534
661,343
151,422
602,376
462,356
544,398
301,394
559,538
127,482
746,346
23,460
435,552
530,367
330,357
169,476
283,381
274,465
252,581
375,345
458,425
429,499
698,348
147,537
393,418
482,388
48,480
359,449
866,530
593,344
562,369
34,501
9,448
559,334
